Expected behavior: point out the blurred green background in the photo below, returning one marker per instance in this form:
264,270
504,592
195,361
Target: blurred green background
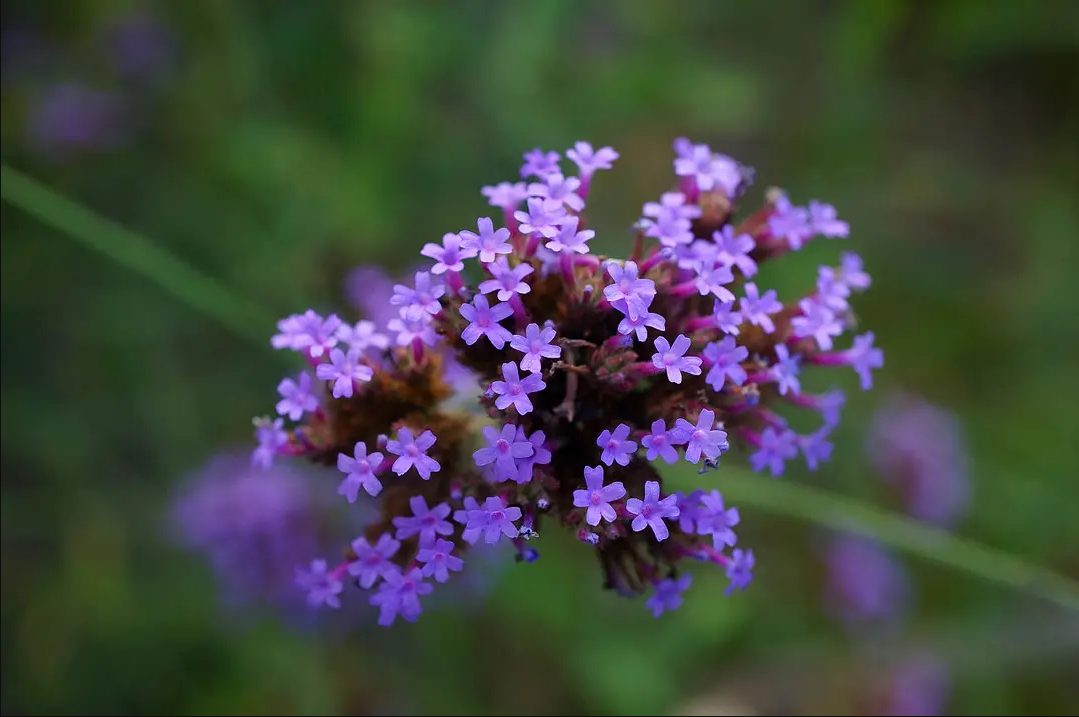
274,145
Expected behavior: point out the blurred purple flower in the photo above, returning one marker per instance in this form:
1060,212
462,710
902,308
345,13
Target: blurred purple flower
69,118
919,686
370,289
918,448
141,47
864,582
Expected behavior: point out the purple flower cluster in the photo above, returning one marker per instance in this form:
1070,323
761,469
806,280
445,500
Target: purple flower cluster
591,371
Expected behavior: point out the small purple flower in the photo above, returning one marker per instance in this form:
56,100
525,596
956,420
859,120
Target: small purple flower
726,319
851,272
411,327
671,232
423,298
734,250
539,163
540,455
588,161
570,240
817,321
696,161
865,582
363,336
776,447
831,291
702,439
535,345
438,560
791,223
726,358
673,358
483,320
373,561
740,570
270,436
560,189
668,595
513,390
785,371
344,369
489,243
863,357
450,255
825,221
494,519
412,452
651,511
756,307
640,323
322,586
816,448
919,686
713,278
503,449
627,293
544,216
597,498
672,205
69,118
506,281
426,522
661,442
296,397
469,535
617,448
359,472
505,195
689,508
714,519
400,594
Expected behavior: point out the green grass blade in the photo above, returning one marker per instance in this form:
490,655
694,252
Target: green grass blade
138,254
813,505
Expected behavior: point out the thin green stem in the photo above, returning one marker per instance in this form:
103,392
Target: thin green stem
138,254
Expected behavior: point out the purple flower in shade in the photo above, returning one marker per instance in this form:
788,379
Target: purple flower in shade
776,447
689,508
714,519
597,498
639,324
141,47
560,189
344,369
449,255
830,405
919,686
713,280
504,449
373,561
513,390
785,371
851,272
412,452
651,511
359,472
399,594
791,223
322,586
864,582
296,397
535,345
734,250
540,455
539,163
617,448
831,291
494,519
570,240
863,358
816,448
270,436
505,195
825,221
411,327
702,439
483,321
817,321
740,570
726,358
469,535
69,118
629,294
918,448
424,297
506,281
588,161
726,320
426,522
661,442
668,595
544,216
363,336
438,560
757,307
673,359
489,243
